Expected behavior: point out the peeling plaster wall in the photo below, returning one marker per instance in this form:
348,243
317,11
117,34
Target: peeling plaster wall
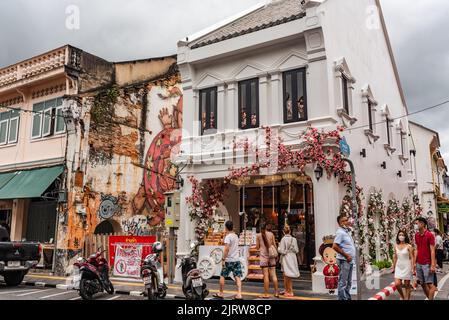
110,164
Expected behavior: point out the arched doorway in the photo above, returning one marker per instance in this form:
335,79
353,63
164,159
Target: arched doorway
108,227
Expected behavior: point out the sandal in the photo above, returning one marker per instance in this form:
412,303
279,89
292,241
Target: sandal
264,297
235,298
217,296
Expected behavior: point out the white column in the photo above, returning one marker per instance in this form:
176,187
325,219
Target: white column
186,231
276,113
263,100
326,209
221,108
231,107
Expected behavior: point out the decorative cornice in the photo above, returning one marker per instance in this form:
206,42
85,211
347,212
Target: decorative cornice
49,91
11,102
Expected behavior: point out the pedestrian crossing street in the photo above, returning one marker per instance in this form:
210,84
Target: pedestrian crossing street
36,293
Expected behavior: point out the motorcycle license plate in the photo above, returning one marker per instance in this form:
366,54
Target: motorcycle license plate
76,282
147,280
197,282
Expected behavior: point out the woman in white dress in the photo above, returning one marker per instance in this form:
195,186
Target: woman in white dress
288,248
403,265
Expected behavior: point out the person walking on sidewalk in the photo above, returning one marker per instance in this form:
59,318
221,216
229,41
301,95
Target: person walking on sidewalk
425,262
439,246
344,245
288,248
231,262
266,244
403,265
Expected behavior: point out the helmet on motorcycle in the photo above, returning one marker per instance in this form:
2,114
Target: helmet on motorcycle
157,247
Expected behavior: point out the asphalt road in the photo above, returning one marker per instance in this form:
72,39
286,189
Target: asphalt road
36,293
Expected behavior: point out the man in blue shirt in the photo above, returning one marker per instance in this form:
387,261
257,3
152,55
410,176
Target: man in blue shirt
344,245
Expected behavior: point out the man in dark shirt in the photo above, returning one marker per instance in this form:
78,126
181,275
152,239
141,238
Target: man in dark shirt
425,262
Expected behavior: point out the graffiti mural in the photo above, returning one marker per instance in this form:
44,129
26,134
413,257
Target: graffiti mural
160,172
136,226
109,207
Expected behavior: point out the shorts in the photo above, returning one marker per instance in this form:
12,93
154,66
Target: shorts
234,267
423,274
267,263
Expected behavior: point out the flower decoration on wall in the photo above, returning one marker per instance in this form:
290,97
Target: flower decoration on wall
377,232
274,154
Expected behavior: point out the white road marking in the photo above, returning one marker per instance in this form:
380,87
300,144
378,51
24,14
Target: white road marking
441,284
77,298
21,291
56,294
113,298
30,293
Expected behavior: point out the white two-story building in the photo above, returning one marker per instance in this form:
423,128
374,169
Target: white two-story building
290,65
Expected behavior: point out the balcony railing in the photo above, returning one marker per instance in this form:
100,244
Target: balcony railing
65,56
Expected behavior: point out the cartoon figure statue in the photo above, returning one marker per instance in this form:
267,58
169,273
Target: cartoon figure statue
331,271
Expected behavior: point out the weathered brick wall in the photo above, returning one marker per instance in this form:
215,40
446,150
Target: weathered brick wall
122,138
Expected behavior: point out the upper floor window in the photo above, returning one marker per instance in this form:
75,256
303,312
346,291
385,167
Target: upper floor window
403,136
208,110
249,104
48,119
9,127
388,123
371,115
344,85
295,100
345,93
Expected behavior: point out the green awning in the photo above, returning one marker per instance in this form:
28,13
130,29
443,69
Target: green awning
5,178
27,184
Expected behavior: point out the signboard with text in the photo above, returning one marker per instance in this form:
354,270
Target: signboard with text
126,253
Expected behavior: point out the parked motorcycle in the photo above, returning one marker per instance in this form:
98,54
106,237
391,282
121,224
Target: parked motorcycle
91,276
152,274
193,285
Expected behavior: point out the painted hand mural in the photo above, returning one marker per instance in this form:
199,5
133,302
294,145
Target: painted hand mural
160,172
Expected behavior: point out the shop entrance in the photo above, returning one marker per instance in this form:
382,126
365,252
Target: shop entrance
300,218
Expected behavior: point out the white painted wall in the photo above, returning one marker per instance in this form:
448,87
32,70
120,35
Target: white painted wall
333,31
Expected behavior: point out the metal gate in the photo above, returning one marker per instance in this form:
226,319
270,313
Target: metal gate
41,222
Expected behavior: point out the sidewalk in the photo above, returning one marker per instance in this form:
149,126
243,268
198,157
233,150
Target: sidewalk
442,294
251,290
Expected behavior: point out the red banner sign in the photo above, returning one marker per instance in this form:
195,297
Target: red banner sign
129,241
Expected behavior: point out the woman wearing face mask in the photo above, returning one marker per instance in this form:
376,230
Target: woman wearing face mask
403,265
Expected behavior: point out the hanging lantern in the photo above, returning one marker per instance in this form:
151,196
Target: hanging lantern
274,179
261,183
289,177
242,182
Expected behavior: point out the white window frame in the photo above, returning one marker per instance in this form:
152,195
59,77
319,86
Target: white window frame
389,146
57,119
16,118
44,112
342,71
6,132
35,114
368,98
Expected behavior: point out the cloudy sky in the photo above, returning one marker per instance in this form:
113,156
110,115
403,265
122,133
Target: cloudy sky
131,29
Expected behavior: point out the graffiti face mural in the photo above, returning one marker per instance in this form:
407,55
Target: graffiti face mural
108,207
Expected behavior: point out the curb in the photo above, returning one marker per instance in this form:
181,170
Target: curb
385,293
68,288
